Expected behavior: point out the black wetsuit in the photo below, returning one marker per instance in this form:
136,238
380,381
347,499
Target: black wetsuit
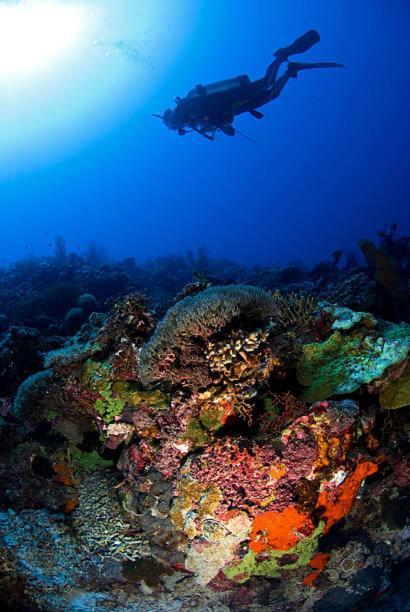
210,111
260,92
220,108
209,108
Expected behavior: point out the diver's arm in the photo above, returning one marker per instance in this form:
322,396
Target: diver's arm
202,132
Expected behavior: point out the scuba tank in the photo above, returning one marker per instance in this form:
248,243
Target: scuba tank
226,86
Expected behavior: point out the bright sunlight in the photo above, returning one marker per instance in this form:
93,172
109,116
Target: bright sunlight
35,34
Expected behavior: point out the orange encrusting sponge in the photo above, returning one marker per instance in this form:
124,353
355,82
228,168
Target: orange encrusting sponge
337,504
279,530
318,562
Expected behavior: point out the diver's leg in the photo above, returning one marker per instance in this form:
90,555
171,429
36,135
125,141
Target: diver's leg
272,72
260,92
292,72
275,91
294,67
300,45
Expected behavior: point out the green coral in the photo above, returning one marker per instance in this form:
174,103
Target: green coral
195,434
250,566
109,407
87,462
211,417
96,376
132,393
115,395
351,357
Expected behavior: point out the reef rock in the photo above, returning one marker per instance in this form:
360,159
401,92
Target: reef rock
246,505
360,350
236,438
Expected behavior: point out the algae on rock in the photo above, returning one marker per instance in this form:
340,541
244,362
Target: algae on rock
352,356
396,393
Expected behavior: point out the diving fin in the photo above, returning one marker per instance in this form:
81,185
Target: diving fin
256,114
300,45
294,67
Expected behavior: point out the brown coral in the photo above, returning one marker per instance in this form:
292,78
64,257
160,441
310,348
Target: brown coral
175,353
290,407
240,363
296,311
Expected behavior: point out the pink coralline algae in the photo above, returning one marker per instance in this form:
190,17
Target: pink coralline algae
243,502
167,436
251,475
242,472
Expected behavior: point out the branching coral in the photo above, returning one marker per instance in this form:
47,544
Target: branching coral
239,363
175,353
283,408
129,324
296,311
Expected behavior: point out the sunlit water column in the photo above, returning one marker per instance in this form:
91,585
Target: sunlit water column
72,69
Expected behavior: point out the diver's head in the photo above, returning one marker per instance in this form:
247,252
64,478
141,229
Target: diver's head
171,120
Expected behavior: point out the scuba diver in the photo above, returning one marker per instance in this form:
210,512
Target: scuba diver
207,109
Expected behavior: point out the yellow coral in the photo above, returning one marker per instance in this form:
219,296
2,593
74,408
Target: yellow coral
238,364
194,501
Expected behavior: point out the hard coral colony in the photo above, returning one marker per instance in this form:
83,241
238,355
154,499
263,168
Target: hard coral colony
243,435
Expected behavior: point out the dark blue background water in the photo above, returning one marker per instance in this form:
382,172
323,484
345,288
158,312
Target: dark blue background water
333,164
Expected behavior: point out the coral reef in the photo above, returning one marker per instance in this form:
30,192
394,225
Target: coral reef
249,451
175,353
360,350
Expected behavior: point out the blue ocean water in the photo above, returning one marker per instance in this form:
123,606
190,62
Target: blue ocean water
204,371
82,157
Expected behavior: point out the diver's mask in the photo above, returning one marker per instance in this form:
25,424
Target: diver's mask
170,120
